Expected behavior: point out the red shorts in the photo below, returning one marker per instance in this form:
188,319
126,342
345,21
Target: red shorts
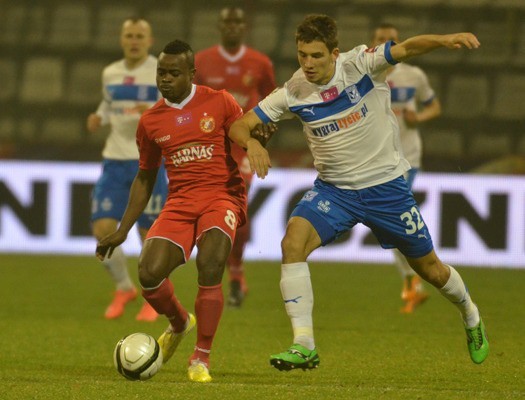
183,221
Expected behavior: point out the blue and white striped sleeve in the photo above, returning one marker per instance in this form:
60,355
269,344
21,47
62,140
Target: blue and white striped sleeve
273,107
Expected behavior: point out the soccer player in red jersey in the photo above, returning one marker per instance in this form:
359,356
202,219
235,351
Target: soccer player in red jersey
249,76
206,201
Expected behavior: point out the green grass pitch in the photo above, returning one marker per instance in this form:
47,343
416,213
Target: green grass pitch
55,344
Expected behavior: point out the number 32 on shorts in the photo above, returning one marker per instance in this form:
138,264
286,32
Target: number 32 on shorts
409,217
230,219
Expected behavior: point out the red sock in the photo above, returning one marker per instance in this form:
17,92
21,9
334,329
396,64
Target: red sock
163,300
236,272
208,309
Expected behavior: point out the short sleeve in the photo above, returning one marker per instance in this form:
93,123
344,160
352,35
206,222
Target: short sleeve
103,111
150,155
104,107
274,107
375,60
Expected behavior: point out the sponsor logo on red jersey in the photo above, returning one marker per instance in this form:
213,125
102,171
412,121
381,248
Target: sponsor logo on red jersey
163,139
183,119
194,152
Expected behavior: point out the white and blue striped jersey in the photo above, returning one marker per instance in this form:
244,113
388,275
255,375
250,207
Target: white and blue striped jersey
124,89
349,125
409,87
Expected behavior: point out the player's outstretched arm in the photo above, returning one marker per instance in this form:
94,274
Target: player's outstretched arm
257,155
422,44
139,196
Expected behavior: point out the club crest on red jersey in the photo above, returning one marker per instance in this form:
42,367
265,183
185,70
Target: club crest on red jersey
248,79
207,123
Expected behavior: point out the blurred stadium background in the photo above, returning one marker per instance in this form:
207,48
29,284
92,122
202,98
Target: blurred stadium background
52,54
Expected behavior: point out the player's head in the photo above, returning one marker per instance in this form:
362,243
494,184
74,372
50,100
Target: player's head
232,26
175,71
135,39
317,51
383,33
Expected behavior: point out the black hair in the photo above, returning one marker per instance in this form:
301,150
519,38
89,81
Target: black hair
180,47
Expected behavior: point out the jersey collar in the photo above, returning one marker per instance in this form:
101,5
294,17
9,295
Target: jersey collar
232,57
181,105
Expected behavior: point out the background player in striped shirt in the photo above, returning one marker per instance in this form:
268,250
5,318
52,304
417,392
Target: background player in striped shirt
128,90
249,76
343,103
413,102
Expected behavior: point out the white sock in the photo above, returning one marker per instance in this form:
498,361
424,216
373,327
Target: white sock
402,265
456,292
117,267
298,297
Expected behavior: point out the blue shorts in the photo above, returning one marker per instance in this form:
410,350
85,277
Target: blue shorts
111,192
411,176
389,210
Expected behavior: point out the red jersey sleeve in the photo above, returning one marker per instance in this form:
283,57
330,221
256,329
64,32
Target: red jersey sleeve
150,155
232,110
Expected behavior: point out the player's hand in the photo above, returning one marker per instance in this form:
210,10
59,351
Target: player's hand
258,157
94,122
141,107
458,40
410,117
107,244
264,132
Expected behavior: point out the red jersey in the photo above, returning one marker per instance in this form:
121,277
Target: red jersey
192,138
247,75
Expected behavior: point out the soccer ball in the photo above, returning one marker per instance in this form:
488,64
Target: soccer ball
137,357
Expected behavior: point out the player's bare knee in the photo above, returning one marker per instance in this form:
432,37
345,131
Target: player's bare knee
150,275
103,227
293,250
210,274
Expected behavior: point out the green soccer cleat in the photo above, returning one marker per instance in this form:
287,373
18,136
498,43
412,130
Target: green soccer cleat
295,357
477,342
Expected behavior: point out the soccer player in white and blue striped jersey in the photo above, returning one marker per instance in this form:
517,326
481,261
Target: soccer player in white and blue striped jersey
343,103
129,88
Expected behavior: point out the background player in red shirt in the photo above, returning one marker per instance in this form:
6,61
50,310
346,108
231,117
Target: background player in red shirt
249,76
206,201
